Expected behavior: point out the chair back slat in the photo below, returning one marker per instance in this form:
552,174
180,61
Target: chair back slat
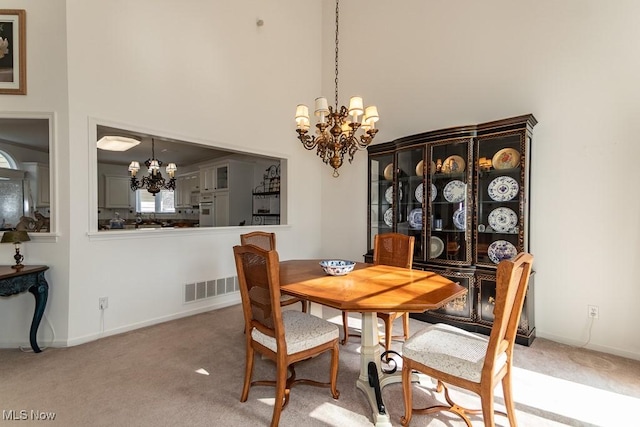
261,239
512,280
393,249
259,281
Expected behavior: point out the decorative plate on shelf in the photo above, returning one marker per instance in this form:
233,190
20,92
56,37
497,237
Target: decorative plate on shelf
503,220
503,188
415,218
388,217
420,168
453,164
434,192
454,191
419,192
388,172
436,246
459,219
388,194
507,158
501,249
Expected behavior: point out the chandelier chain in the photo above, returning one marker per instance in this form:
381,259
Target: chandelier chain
336,134
336,80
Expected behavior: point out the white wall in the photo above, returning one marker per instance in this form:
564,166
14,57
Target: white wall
574,65
46,94
204,72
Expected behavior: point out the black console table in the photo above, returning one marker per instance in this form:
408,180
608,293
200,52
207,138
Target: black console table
29,278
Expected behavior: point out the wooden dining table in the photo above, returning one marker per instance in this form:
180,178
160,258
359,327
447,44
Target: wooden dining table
369,289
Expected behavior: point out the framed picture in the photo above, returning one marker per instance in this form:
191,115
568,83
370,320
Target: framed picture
13,52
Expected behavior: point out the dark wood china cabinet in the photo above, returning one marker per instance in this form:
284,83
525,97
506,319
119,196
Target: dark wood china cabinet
463,192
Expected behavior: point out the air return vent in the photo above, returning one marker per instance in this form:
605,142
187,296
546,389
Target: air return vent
201,290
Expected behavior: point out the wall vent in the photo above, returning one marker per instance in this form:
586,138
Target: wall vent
210,288
189,292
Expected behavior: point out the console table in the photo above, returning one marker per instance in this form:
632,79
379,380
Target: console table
29,278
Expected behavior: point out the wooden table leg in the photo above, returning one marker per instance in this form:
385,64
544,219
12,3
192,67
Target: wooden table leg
41,292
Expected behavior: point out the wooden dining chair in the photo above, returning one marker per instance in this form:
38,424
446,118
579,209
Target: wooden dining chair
285,337
456,357
267,241
393,249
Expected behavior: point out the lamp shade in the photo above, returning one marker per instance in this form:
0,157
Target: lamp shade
371,114
15,237
355,106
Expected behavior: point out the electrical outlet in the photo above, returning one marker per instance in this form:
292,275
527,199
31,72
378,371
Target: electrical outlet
103,303
593,311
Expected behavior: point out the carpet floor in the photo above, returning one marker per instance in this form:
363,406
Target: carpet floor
189,372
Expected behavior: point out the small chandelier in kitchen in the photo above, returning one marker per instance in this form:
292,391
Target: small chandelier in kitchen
154,182
337,129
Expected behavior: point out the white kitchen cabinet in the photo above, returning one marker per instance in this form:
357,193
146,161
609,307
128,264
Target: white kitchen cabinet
39,186
215,177
117,192
186,186
231,183
221,209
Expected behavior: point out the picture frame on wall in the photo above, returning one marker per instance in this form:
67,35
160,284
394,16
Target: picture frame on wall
13,52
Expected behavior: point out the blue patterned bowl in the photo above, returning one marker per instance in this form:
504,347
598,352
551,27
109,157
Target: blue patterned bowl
337,267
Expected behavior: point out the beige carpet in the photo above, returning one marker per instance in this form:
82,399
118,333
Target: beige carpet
189,372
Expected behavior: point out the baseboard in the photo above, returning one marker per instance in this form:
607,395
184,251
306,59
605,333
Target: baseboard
590,346
218,303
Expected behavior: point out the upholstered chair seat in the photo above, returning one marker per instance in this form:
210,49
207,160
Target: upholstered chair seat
301,332
451,350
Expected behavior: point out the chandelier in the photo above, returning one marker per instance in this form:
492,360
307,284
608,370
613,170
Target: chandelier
154,182
337,131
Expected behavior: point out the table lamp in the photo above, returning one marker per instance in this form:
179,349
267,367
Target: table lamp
16,237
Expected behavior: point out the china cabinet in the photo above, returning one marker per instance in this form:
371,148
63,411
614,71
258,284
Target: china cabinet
463,192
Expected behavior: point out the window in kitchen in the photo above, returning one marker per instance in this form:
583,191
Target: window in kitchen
6,161
163,202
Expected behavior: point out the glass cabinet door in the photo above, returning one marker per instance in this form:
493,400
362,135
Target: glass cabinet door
410,196
501,197
381,196
449,198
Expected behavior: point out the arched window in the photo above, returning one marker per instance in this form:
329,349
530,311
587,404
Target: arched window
6,161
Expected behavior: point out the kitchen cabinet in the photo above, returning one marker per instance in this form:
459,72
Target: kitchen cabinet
187,189
463,192
221,209
117,192
39,185
214,178
231,183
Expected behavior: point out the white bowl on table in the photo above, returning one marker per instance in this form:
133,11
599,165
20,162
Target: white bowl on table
337,267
